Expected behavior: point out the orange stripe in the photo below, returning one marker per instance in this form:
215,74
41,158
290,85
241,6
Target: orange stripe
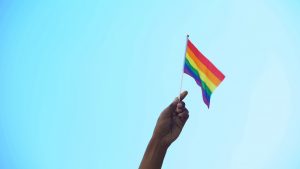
203,68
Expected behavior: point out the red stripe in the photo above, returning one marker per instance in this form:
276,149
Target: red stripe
205,61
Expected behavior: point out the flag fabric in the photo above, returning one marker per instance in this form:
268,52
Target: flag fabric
207,76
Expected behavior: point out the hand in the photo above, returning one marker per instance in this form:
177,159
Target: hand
171,121
168,127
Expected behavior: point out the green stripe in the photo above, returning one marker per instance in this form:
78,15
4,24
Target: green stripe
204,86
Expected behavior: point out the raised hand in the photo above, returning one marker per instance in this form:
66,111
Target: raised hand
171,121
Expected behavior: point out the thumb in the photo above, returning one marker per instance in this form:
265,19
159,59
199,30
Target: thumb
181,97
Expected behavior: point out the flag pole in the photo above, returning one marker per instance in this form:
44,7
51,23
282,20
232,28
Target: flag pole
187,38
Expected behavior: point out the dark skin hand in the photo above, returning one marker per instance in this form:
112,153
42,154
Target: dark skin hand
168,127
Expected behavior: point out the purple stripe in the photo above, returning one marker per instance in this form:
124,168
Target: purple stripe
206,99
187,71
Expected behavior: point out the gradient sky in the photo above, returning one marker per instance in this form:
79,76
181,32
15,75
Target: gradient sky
83,82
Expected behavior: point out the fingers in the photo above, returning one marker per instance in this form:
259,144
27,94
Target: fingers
180,107
184,116
182,112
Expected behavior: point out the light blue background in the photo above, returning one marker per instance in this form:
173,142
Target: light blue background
83,82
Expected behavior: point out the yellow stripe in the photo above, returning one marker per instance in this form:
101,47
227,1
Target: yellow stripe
203,76
203,68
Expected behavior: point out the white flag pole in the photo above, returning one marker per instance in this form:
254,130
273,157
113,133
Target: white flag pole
187,38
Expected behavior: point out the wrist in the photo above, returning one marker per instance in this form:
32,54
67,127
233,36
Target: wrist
154,155
159,142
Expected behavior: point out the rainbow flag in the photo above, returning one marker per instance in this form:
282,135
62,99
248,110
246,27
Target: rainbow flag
207,76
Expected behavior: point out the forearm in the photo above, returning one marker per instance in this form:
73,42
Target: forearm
154,155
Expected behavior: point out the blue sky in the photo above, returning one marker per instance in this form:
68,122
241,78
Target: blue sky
83,82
